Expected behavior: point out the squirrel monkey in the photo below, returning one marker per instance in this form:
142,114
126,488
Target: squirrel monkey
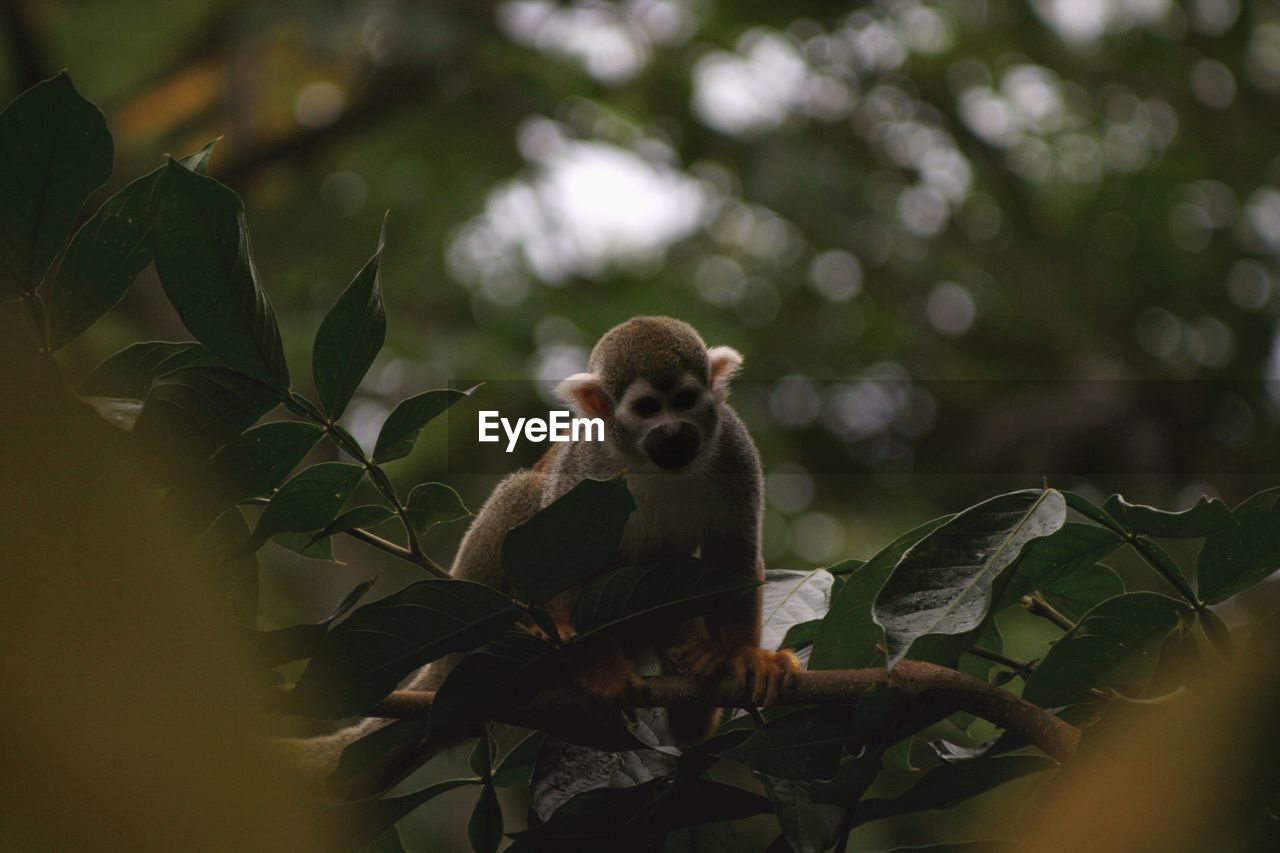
695,476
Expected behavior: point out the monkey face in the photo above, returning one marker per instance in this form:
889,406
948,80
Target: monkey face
665,424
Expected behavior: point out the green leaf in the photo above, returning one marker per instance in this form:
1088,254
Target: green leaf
943,585
1079,592
1245,551
503,672
361,516
1208,516
357,823
198,409
236,573
801,745
674,589
801,634
309,501
598,819
303,545
1072,550
281,645
809,827
810,743
569,541
365,657
847,636
484,829
400,431
430,504
131,371
54,150
106,255
350,337
252,464
515,766
1111,644
950,785
206,266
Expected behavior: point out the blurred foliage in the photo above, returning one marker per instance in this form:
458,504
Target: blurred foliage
869,195
962,244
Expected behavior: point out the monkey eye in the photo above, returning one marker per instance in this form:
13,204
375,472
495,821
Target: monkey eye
645,407
685,399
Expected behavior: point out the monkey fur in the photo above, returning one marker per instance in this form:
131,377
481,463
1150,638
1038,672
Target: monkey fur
695,476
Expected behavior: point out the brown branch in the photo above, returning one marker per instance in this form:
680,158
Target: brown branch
561,708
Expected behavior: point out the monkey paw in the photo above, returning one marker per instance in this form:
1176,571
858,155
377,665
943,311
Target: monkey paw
611,691
566,631
765,671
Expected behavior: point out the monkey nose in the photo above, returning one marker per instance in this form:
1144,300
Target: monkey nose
672,446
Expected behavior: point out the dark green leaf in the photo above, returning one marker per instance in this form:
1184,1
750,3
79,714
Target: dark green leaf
852,779
1073,549
400,431
350,337
569,541
801,745
848,567
1208,516
206,266
305,545
674,589
105,256
249,466
130,372
1113,641
1245,551
484,829
365,657
809,827
1078,593
951,784
236,573
430,504
801,634
368,515
281,645
388,842
515,766
702,838
502,673
54,150
847,636
943,585
595,820
308,501
358,822
398,741
198,409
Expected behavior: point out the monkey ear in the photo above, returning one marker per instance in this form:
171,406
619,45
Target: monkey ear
724,363
585,393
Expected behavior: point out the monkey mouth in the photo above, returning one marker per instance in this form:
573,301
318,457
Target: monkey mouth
674,459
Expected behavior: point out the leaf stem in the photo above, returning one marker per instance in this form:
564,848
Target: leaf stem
1037,606
348,445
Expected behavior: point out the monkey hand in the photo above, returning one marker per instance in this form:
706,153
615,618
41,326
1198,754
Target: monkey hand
765,671
606,675
567,633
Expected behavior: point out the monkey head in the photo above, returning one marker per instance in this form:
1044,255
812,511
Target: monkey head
658,389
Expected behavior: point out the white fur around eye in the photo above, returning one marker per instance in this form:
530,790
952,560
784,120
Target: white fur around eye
724,363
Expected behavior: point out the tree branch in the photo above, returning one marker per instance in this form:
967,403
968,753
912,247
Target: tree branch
561,708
